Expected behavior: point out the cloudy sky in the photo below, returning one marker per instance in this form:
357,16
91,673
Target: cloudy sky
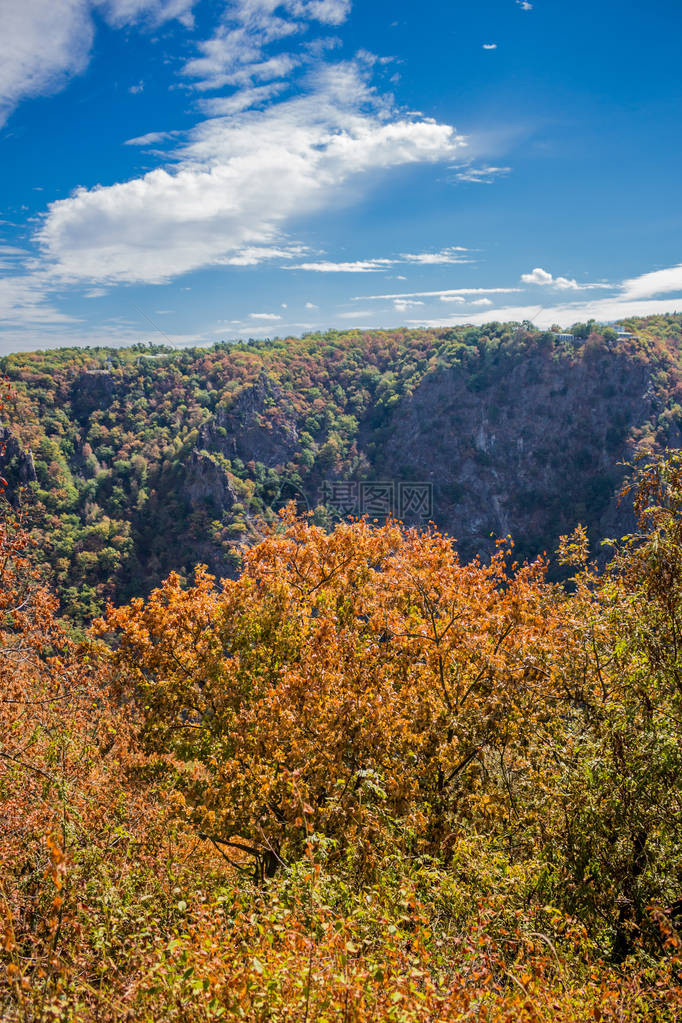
200,170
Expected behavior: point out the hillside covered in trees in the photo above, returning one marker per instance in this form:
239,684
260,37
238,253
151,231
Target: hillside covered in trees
367,776
137,462
362,781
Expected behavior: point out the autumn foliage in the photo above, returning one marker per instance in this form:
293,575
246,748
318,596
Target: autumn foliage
362,781
361,684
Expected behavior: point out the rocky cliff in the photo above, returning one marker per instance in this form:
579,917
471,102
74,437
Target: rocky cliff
528,453
16,464
148,466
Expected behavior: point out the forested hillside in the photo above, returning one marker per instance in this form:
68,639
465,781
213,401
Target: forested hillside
366,778
139,461
364,781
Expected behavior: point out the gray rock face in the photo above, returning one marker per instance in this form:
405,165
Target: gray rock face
206,483
531,454
91,390
260,426
16,464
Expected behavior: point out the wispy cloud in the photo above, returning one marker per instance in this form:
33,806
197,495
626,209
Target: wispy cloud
437,294
152,138
44,43
403,305
264,316
359,266
236,53
658,282
454,254
24,300
483,175
489,46
242,99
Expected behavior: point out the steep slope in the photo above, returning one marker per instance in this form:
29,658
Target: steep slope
134,465
526,448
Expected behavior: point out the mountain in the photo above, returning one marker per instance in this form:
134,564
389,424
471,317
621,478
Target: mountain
130,463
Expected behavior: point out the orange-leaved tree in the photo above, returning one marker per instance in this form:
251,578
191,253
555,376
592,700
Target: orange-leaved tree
345,683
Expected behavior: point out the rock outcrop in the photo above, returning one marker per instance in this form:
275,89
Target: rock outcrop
16,464
259,426
530,454
92,389
206,482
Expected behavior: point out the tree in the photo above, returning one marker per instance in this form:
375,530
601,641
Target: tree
621,781
346,681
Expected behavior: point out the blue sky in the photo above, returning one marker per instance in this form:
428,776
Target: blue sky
206,170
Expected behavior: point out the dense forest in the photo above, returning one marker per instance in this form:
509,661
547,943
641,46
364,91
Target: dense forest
347,769
136,462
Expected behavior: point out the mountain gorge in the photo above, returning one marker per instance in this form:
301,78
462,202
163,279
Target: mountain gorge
370,774
136,462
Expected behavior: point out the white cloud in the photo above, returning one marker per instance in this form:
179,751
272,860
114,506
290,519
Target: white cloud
331,12
253,255
402,305
658,282
126,12
360,266
538,276
23,301
454,254
439,294
235,53
243,99
42,43
265,316
311,305
236,184
525,5
482,302
13,251
544,278
489,46
151,138
450,255
45,42
452,298
484,175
